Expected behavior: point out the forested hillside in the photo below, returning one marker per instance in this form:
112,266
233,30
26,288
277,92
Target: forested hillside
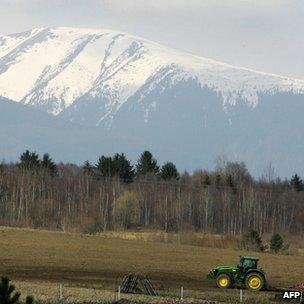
114,194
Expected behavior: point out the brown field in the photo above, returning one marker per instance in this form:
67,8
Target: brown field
88,264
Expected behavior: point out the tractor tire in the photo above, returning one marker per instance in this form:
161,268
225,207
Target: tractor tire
254,281
223,281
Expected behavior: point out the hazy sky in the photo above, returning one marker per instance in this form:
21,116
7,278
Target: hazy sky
266,35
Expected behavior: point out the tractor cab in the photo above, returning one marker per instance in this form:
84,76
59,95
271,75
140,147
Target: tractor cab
248,262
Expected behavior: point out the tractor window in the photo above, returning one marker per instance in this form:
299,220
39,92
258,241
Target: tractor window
246,264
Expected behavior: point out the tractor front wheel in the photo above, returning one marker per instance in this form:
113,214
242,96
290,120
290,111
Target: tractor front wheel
254,281
223,281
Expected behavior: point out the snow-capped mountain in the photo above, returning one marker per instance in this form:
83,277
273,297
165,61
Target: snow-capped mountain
164,98
52,67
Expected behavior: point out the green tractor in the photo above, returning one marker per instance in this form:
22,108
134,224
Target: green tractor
246,274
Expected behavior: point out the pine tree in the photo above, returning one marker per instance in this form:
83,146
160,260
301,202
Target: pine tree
146,164
206,181
29,161
297,183
169,171
8,295
116,166
105,167
276,243
48,165
123,168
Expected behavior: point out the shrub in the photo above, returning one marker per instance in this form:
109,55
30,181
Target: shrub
127,210
252,241
93,227
287,249
276,243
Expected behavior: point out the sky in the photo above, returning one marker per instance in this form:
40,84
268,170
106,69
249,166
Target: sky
265,35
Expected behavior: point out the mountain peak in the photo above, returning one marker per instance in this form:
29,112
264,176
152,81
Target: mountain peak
182,107
62,64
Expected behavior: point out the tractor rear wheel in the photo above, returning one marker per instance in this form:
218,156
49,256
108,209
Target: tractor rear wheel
223,281
254,281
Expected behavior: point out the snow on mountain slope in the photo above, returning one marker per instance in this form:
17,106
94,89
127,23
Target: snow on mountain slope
52,67
118,92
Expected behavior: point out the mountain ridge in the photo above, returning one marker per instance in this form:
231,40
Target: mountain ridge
115,64
126,94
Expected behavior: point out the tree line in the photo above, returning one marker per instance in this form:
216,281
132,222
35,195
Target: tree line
114,194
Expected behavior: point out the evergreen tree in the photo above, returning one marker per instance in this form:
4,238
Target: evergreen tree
8,295
105,167
146,164
48,165
123,168
206,181
276,243
169,171
29,161
116,166
297,183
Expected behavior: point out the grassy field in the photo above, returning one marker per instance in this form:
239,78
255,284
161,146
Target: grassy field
87,264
